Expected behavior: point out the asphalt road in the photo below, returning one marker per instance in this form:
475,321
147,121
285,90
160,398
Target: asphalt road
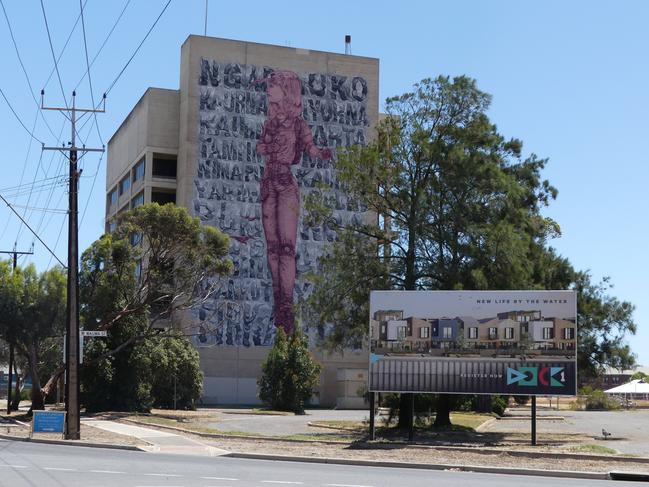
25,464
629,428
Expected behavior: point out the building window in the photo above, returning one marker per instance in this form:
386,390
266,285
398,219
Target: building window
493,333
136,238
112,197
383,329
509,333
473,332
424,332
112,226
164,166
138,170
401,332
138,269
163,197
568,333
124,185
447,332
548,333
138,200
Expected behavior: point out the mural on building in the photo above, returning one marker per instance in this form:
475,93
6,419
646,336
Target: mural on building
255,124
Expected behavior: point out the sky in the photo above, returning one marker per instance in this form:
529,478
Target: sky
568,78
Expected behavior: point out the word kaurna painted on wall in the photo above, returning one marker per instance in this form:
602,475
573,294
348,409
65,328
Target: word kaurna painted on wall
267,139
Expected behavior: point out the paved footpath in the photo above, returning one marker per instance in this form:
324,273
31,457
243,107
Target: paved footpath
160,441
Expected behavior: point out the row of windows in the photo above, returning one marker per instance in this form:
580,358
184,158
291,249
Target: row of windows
164,166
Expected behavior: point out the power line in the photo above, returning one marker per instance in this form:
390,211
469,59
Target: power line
94,179
101,48
64,47
22,174
22,65
29,198
85,48
56,64
138,47
18,118
31,230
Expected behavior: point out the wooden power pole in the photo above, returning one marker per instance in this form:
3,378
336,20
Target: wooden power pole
73,425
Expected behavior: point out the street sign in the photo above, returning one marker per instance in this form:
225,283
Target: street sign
48,422
94,333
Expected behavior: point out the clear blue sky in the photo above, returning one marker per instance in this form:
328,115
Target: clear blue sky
568,78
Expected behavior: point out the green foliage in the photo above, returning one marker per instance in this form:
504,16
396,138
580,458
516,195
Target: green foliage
604,322
142,376
455,205
289,373
498,404
158,263
640,376
597,400
32,317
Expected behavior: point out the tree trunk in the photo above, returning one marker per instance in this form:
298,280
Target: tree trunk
443,414
15,400
404,411
38,401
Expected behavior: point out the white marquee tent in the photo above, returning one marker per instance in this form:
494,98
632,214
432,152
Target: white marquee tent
637,386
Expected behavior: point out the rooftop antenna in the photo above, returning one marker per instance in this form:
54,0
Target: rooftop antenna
205,31
348,44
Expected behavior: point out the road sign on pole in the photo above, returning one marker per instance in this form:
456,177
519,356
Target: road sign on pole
94,333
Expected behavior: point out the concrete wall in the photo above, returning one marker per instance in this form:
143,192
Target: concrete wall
151,126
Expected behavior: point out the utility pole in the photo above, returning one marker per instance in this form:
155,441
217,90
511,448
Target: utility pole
73,425
15,254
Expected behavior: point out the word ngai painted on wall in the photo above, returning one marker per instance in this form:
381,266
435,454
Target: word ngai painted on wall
255,124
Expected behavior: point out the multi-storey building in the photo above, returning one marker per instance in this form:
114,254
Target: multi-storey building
197,146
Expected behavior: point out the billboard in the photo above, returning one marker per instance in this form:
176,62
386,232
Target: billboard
473,342
267,139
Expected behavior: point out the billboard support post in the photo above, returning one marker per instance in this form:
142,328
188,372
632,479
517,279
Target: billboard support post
533,420
411,417
372,424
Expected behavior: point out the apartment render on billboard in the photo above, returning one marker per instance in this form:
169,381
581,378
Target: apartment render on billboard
473,341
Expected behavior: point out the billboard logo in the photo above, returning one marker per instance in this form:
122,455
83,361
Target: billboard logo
533,376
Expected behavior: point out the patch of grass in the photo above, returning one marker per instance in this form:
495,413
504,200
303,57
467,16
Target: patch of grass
469,420
598,449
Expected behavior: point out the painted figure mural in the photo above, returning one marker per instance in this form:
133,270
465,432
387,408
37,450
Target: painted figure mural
266,140
284,138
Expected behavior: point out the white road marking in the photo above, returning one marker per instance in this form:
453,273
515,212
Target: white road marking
347,485
14,466
163,475
280,482
218,478
105,471
59,469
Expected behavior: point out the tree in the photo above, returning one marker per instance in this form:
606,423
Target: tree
604,321
159,263
289,373
457,206
160,371
32,317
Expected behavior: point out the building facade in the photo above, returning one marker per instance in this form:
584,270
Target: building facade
222,145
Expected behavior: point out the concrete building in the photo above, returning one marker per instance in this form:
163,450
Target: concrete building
197,146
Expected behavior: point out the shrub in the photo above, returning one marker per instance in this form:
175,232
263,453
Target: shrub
597,399
499,404
289,373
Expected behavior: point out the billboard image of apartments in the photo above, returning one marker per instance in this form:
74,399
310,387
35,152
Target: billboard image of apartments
519,342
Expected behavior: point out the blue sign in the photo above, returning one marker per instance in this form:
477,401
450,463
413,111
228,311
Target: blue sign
48,422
